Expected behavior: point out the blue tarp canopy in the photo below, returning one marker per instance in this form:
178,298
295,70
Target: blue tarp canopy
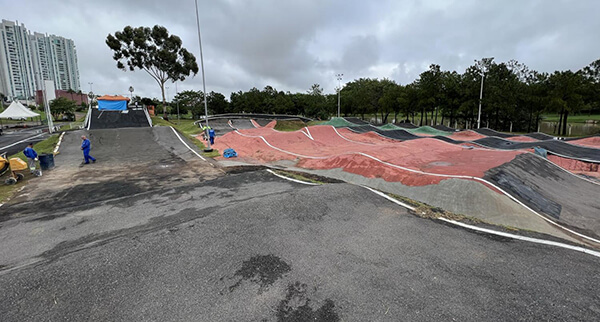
112,105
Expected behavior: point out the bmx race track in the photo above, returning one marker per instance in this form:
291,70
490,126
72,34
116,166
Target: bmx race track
485,174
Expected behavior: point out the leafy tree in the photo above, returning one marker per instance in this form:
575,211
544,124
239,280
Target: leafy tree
62,106
217,104
592,85
190,101
155,51
390,99
284,104
565,90
429,85
316,103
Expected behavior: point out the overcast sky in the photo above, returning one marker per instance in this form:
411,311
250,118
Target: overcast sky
293,44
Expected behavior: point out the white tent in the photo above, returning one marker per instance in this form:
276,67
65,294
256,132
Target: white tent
16,110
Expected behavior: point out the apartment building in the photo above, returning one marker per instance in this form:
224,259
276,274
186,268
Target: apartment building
28,58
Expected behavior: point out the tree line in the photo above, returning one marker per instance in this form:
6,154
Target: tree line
514,97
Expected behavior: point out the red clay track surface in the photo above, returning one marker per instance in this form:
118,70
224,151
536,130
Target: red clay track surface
467,135
322,147
521,138
591,142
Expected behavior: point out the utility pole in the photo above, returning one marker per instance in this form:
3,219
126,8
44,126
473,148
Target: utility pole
339,90
208,147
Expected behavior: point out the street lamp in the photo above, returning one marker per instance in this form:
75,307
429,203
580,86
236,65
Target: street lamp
91,89
208,147
483,65
339,90
177,92
131,91
91,97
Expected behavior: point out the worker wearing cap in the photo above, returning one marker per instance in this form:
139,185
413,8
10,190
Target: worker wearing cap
31,155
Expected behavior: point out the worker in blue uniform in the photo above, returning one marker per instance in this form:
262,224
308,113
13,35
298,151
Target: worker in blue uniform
31,155
211,135
86,146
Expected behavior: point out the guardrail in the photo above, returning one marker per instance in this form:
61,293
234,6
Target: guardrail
86,123
148,116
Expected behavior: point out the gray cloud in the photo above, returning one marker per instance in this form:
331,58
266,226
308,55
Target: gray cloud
293,44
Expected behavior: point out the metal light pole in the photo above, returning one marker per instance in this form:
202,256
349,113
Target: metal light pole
177,92
131,91
480,99
91,89
483,65
339,78
208,147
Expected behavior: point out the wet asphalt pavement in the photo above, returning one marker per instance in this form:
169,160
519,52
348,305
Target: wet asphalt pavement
14,141
248,246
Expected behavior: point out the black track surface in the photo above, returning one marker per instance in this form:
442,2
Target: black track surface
406,125
489,132
553,146
356,120
117,119
562,196
540,136
392,134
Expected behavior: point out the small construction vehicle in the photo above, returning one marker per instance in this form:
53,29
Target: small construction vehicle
15,166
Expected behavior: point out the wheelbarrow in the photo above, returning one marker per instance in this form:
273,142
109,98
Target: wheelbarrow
15,166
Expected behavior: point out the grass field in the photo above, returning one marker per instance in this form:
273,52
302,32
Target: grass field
189,129
572,118
288,126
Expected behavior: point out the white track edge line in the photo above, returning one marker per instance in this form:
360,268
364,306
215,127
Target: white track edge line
308,133
59,142
390,198
524,238
187,146
291,179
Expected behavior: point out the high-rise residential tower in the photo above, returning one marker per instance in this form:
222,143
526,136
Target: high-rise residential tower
28,58
16,64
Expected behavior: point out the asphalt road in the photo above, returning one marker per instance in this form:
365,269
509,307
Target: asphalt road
249,246
254,247
13,142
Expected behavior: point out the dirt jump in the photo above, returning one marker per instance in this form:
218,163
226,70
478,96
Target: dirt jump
458,176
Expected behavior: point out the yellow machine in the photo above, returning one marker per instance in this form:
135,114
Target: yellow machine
15,165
